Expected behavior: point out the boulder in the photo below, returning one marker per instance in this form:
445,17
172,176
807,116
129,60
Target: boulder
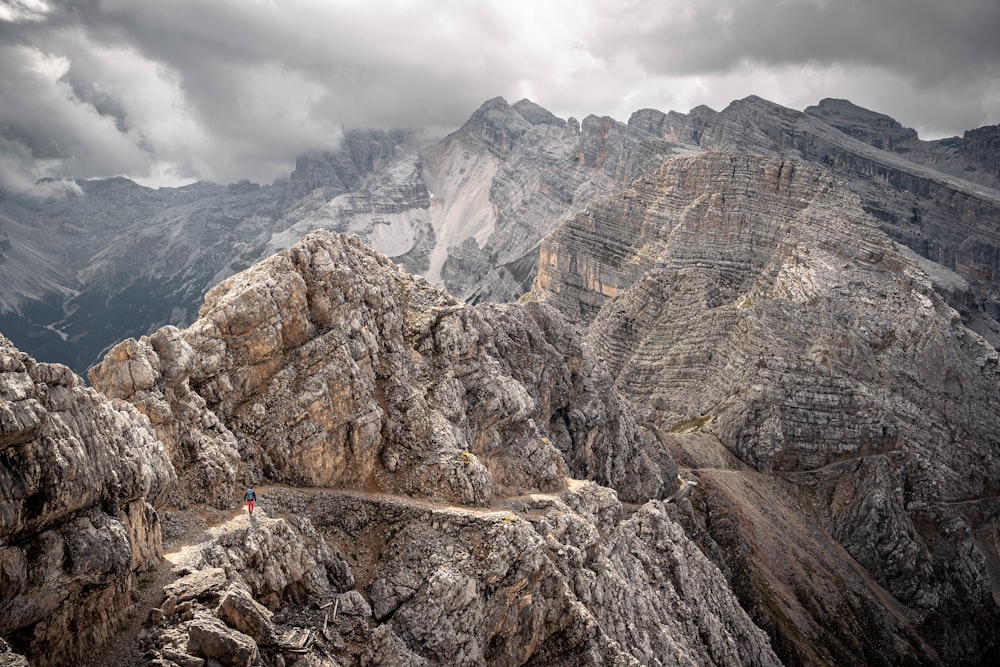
214,640
239,610
196,586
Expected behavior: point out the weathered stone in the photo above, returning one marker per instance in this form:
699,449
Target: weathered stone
182,659
212,639
77,478
10,659
201,448
944,218
332,367
239,610
473,587
752,299
196,585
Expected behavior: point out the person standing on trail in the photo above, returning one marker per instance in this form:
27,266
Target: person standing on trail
251,497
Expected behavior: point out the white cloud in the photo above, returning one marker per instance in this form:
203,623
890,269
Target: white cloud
181,89
15,11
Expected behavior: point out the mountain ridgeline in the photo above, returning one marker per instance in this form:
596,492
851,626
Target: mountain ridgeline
716,388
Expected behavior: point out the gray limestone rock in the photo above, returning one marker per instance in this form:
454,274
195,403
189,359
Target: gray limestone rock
754,300
327,365
239,610
78,476
555,579
211,638
941,216
153,374
196,585
10,659
974,157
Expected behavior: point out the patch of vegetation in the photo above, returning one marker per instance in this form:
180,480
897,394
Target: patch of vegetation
689,425
887,341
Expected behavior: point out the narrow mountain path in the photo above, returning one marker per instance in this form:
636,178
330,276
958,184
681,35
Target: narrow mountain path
124,648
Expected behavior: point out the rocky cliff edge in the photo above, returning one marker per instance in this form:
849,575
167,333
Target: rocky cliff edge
79,476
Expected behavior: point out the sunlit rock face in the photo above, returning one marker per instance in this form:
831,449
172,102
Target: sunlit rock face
753,301
328,365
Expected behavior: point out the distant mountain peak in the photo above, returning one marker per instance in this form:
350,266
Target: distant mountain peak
497,124
537,114
871,127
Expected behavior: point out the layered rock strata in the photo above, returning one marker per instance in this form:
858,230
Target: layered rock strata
468,211
79,477
754,300
975,156
943,217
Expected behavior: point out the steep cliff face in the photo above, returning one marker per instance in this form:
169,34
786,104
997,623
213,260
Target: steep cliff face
946,219
441,438
469,210
753,299
78,478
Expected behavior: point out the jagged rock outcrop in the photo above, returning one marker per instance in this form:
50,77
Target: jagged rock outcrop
222,608
153,374
975,156
327,365
873,128
746,316
8,658
553,579
469,211
79,475
753,299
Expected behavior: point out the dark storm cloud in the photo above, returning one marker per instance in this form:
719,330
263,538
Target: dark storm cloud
933,64
229,89
243,88
927,40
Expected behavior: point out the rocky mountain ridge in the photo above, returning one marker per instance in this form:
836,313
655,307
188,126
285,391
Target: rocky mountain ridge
468,211
749,326
972,157
944,218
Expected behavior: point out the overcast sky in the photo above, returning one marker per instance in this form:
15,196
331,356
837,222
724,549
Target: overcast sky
169,91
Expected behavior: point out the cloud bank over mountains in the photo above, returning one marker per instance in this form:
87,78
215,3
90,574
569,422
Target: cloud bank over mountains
179,90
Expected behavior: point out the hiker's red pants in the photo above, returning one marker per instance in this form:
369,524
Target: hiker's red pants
250,506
